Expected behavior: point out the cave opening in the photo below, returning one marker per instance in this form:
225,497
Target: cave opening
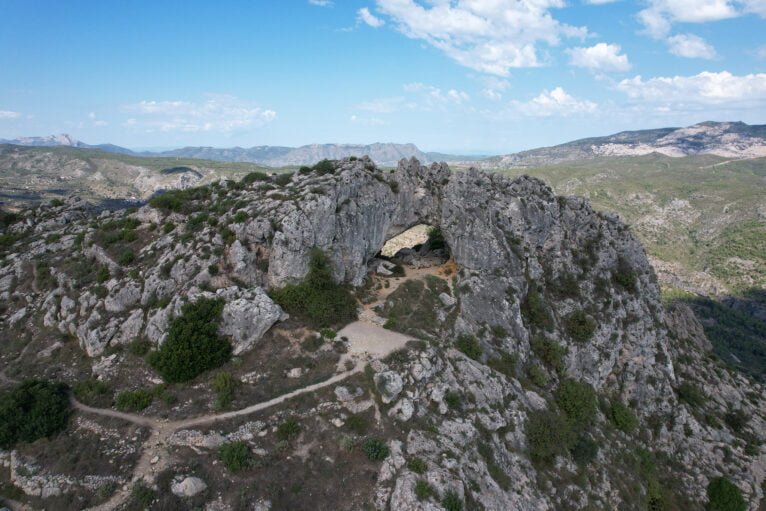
420,246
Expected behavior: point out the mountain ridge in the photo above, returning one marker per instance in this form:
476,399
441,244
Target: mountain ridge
727,139
387,153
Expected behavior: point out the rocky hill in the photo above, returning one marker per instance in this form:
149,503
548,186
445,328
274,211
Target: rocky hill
703,222
535,366
31,174
734,140
272,156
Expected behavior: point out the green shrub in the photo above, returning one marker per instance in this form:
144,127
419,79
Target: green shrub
235,455
283,179
252,177
318,299
469,346
126,257
197,222
193,345
578,402
134,400
168,227
180,201
213,270
584,451
224,384
505,364
535,311
723,495
417,465
625,277
690,395
423,490
736,420
228,236
579,326
312,343
550,352
103,274
240,217
92,392
31,410
453,399
537,376
141,497
324,167
289,430
357,424
375,449
623,417
304,170
452,501
548,435
139,347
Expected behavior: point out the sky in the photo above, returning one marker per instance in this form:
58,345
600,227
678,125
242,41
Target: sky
458,76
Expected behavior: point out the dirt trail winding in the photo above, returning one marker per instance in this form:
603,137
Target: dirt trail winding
367,341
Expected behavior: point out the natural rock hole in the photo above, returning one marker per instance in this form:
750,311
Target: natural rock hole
420,246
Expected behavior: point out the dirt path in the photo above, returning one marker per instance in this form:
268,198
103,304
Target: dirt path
367,339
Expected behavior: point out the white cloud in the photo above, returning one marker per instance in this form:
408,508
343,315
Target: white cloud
755,6
490,36
705,88
430,96
690,46
494,87
216,113
365,16
554,103
7,114
601,57
367,121
321,3
660,14
599,2
382,105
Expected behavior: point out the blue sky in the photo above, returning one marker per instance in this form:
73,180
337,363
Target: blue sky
461,76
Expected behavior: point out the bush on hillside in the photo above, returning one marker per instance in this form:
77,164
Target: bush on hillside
577,400
235,455
580,326
33,409
193,345
548,434
535,311
723,495
469,346
318,299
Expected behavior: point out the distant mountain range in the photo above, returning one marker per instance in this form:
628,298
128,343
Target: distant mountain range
735,140
271,156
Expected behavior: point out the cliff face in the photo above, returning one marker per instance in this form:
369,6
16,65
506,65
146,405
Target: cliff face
547,292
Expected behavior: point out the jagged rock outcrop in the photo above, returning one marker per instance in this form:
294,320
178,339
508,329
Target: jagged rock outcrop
546,290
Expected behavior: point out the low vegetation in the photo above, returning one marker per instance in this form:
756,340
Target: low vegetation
375,449
33,409
535,311
723,495
193,345
318,299
235,456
